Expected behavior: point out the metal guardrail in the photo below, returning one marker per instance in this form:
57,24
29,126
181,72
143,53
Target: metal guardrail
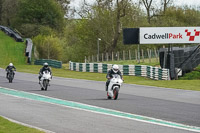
29,46
11,33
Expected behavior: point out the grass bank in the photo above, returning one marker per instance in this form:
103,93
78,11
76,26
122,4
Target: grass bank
195,74
7,126
11,51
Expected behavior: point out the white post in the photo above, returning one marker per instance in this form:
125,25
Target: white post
135,55
92,58
99,39
112,56
129,54
118,55
138,53
143,55
107,56
123,55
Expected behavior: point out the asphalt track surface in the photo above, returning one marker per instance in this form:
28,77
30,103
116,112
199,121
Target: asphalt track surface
174,105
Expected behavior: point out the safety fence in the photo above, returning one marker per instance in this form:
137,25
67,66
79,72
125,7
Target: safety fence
134,70
142,55
52,63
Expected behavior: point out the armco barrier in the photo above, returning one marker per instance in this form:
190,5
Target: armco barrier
53,63
135,70
29,46
11,33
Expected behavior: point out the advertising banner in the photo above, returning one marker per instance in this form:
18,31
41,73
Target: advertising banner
169,35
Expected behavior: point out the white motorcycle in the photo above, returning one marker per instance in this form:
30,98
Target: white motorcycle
45,79
114,86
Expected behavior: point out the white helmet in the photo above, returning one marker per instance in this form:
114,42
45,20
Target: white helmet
11,64
115,68
45,64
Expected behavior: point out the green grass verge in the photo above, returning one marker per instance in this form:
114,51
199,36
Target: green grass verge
192,75
7,126
11,51
65,72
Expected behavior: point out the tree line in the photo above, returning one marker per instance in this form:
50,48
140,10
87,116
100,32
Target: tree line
64,33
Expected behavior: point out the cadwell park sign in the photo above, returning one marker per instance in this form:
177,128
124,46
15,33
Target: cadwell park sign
161,35
176,59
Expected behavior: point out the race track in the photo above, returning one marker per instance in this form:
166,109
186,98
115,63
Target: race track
172,105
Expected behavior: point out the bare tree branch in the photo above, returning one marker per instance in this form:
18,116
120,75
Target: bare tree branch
147,4
165,4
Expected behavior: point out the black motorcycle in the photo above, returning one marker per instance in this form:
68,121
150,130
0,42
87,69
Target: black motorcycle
10,76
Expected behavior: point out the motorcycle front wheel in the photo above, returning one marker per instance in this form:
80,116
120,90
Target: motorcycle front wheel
10,78
115,93
45,84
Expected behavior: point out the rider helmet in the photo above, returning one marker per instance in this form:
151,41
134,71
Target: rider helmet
115,68
11,64
45,64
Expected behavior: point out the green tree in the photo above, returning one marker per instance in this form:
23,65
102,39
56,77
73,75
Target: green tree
39,13
105,21
177,16
1,2
48,47
102,20
8,9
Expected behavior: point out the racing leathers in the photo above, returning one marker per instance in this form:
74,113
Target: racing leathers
43,69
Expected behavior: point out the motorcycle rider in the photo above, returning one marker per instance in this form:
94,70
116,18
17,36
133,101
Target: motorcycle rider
114,70
10,67
44,68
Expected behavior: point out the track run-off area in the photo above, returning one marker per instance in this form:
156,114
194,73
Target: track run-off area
74,105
